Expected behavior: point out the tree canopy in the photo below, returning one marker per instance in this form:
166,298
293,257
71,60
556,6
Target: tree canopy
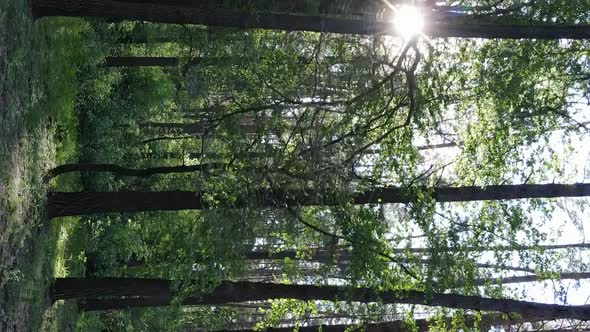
273,165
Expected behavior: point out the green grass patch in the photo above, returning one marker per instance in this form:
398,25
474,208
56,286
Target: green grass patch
39,67
67,260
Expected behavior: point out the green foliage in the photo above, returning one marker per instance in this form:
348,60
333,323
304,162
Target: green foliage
286,309
39,66
318,114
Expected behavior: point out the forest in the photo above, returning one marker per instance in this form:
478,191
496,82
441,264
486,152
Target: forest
294,165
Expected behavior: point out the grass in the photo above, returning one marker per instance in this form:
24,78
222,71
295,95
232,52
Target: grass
38,129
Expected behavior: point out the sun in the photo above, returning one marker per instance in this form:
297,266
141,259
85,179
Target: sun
408,21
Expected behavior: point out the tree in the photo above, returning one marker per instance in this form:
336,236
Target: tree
78,203
422,325
137,61
162,61
125,171
158,292
228,18
194,128
341,256
268,275
325,253
529,278
324,97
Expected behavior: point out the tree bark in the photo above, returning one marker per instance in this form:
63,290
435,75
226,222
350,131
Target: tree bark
325,254
530,278
73,288
160,61
331,7
185,128
496,248
196,155
125,288
115,10
141,61
247,155
423,325
192,128
124,171
79,203
167,138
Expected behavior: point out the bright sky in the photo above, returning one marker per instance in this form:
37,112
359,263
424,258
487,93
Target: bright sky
560,228
575,162
576,166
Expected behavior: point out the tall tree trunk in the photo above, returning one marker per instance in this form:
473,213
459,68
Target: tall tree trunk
162,155
251,291
227,18
529,278
423,325
192,128
324,254
332,7
160,61
166,138
79,203
198,155
247,155
74,288
141,61
168,127
70,204
124,171
269,275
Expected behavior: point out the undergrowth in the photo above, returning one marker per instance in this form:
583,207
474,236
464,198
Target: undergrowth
40,64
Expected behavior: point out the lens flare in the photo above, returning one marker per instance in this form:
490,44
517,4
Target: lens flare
408,21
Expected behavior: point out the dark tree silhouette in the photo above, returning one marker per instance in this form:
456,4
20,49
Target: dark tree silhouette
164,12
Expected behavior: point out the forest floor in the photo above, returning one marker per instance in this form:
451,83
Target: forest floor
37,130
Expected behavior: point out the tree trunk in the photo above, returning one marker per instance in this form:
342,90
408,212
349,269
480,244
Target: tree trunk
166,138
423,325
162,155
140,61
437,146
79,203
115,10
530,278
323,255
186,128
133,293
331,7
72,203
496,248
146,61
74,288
124,171
247,155
192,128
340,257
197,155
